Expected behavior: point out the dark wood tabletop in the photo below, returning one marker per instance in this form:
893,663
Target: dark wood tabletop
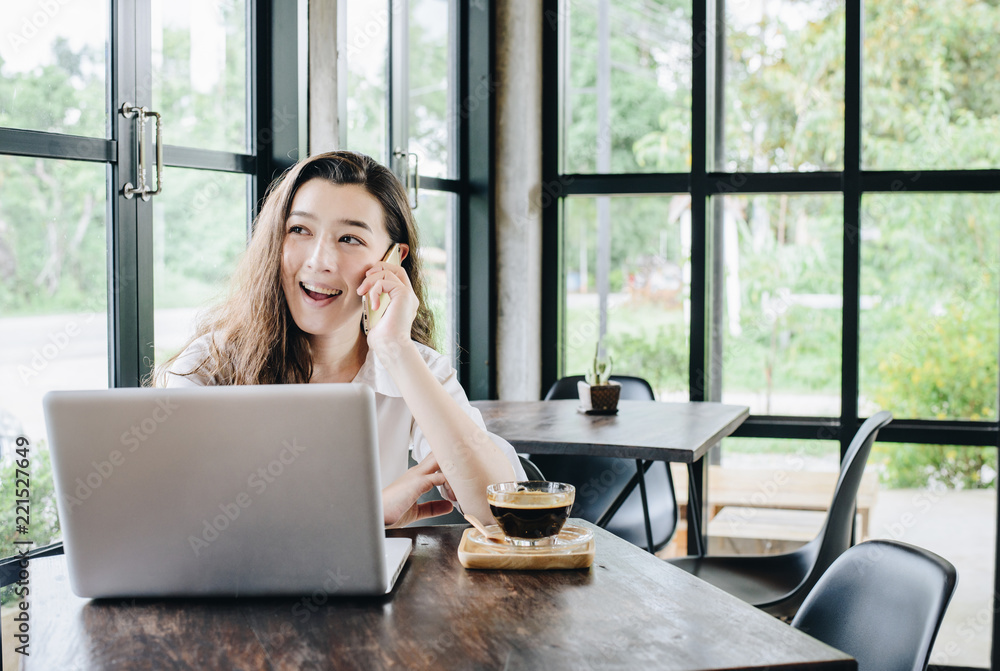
680,432
628,611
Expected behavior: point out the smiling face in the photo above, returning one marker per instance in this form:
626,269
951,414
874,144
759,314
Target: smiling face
333,234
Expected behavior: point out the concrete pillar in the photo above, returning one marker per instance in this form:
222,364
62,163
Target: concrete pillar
518,197
323,122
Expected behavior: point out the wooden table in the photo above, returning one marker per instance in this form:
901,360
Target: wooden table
628,611
678,432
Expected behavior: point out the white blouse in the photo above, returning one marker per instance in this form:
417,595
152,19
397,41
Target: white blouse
398,432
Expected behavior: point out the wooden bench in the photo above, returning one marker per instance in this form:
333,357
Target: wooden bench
741,530
775,490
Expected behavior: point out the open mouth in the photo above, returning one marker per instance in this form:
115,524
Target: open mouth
319,294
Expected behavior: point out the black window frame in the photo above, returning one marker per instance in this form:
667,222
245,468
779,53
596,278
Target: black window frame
703,182
273,133
472,33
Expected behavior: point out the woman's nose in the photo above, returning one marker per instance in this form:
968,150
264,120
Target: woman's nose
321,255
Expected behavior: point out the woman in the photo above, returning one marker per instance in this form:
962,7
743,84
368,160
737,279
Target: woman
293,315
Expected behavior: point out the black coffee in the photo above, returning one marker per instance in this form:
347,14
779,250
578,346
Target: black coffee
531,515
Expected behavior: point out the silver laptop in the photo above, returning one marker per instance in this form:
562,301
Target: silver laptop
224,491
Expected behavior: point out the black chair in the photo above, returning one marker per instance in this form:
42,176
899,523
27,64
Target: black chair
779,583
606,488
881,602
530,468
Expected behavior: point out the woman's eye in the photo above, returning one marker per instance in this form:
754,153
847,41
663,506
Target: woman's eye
350,239
296,229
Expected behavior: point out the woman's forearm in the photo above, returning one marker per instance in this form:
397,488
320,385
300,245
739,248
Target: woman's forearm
467,457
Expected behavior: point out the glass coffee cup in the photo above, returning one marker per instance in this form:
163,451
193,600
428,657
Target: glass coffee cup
530,513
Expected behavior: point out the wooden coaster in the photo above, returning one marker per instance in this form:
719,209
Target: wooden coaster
511,558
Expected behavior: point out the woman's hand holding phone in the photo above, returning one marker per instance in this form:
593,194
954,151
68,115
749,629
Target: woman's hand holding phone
374,303
389,304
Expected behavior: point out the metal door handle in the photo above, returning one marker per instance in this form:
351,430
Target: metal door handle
410,178
141,114
416,180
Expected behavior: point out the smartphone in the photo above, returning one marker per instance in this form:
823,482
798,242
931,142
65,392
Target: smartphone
370,317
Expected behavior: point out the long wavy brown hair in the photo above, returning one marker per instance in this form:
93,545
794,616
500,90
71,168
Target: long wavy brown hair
255,340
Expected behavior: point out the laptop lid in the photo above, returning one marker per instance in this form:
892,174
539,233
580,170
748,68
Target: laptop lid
229,491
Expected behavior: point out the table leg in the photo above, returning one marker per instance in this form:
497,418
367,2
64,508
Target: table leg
641,473
697,523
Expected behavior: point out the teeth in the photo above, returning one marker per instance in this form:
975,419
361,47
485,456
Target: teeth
320,290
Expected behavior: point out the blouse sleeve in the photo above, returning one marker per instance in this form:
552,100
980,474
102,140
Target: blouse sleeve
421,448
179,374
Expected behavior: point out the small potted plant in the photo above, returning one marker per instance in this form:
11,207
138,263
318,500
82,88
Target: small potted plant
598,393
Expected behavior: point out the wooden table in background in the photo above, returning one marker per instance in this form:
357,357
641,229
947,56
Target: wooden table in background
676,432
628,611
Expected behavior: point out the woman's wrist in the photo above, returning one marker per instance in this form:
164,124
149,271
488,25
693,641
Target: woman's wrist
394,352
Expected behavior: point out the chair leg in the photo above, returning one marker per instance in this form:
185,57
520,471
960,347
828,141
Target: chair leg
627,490
605,519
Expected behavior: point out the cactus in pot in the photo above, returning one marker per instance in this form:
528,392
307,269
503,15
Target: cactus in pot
598,394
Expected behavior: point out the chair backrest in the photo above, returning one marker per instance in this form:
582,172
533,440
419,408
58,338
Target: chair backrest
530,469
604,482
835,536
836,533
881,602
633,388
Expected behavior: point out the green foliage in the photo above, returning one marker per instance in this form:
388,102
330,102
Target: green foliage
931,352
784,101
66,96
649,45
931,95
201,111
789,250
947,369
660,356
43,522
916,466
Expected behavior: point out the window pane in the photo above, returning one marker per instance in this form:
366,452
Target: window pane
784,85
783,303
642,123
52,66
199,66
53,313
367,87
199,231
950,514
432,89
436,225
931,96
929,338
649,288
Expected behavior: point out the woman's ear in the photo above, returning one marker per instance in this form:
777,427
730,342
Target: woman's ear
404,250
